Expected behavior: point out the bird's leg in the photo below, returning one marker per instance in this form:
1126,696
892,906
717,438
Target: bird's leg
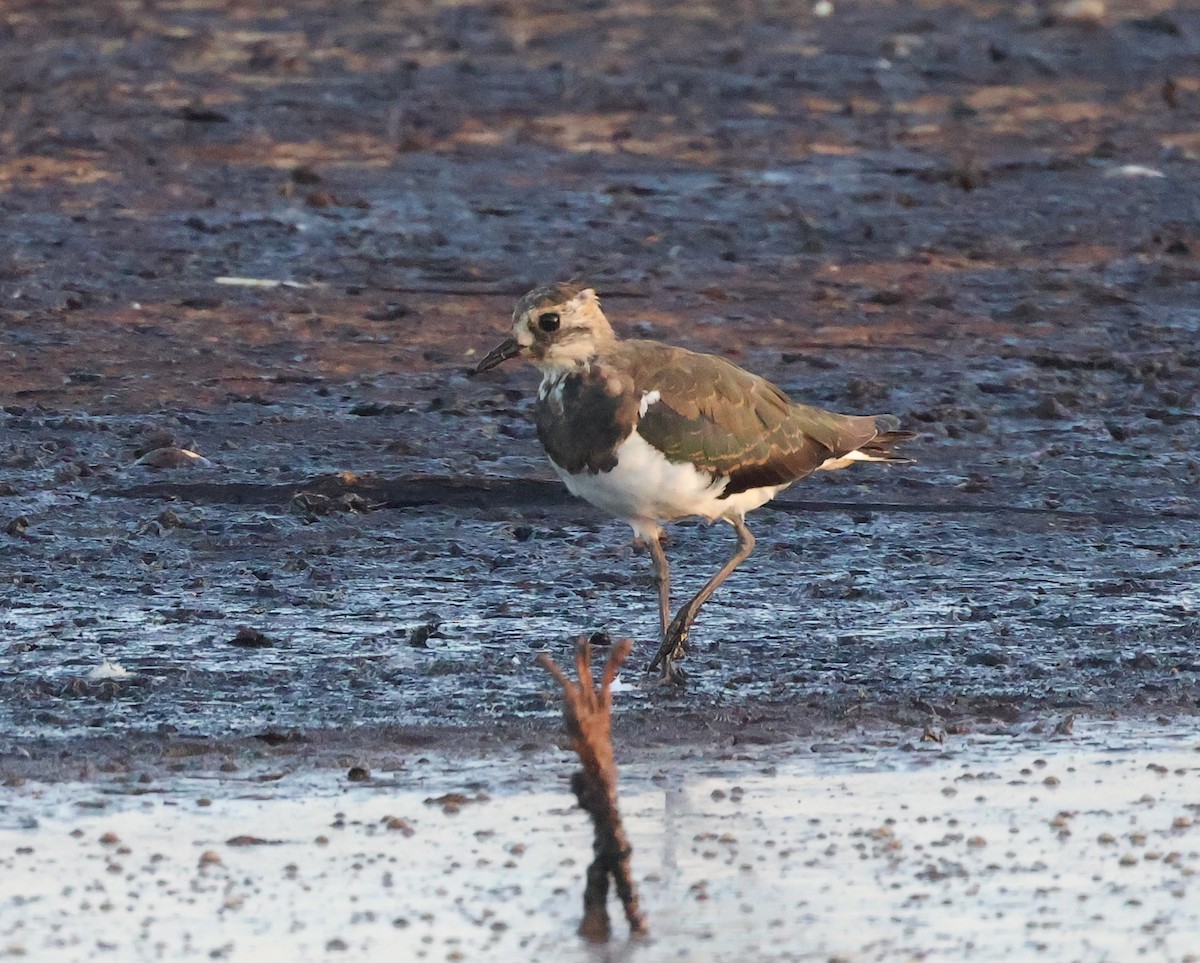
674,645
662,579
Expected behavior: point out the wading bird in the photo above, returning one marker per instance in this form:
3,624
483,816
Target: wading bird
652,433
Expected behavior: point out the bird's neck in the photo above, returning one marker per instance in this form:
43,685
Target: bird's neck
576,355
556,368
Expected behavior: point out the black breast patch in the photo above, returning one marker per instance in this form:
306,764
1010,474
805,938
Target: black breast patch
582,418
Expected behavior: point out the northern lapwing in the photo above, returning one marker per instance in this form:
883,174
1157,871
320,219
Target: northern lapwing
652,433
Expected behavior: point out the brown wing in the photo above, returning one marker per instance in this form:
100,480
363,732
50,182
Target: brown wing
732,423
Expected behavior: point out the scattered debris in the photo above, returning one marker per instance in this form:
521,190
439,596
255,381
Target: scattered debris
274,737
314,504
391,311
1133,170
169,518
200,114
452,802
1051,409
1081,12
419,636
108,670
1158,23
173,458
248,638
260,283
373,409
587,715
401,826
250,841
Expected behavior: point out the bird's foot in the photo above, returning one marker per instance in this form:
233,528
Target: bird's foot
672,651
673,674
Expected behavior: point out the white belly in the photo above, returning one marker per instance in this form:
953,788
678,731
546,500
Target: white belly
646,487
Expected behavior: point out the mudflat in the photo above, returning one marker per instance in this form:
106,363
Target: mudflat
279,238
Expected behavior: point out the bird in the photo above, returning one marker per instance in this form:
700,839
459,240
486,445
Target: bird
652,433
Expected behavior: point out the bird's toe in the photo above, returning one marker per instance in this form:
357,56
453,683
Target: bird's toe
673,674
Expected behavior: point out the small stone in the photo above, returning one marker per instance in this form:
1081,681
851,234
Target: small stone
419,636
1158,23
247,841
248,638
162,458
402,826
169,518
1051,409
992,658
1081,12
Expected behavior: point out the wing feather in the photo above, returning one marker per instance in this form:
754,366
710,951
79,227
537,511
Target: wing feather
734,424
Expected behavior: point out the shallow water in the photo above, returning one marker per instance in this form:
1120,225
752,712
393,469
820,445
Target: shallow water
985,848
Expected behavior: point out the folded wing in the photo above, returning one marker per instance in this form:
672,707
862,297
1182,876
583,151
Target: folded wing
736,425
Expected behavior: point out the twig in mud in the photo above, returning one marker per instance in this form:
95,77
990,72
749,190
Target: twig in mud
587,714
239,282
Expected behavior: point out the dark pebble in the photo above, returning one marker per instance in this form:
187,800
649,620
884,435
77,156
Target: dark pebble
1051,409
248,638
992,658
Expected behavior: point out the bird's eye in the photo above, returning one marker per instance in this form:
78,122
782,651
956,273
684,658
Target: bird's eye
549,321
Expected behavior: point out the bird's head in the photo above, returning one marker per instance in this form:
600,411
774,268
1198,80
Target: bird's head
556,326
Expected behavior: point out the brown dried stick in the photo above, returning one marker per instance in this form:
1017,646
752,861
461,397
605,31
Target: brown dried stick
587,714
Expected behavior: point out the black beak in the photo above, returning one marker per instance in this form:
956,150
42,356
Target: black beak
508,348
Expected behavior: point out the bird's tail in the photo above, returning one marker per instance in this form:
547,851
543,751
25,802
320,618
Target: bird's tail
879,448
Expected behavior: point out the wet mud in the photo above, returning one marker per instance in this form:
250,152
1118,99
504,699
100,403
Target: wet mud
268,554
981,219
